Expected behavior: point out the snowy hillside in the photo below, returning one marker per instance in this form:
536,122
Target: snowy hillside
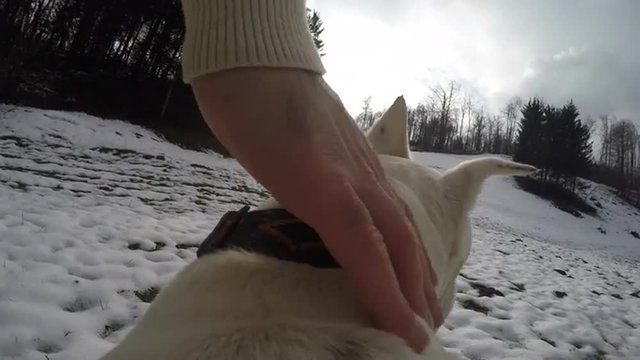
504,206
96,215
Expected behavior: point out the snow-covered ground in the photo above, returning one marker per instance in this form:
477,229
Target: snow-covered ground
96,215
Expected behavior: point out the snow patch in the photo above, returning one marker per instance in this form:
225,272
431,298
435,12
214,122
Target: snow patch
97,215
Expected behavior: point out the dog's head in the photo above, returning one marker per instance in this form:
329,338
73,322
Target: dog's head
440,202
461,184
456,189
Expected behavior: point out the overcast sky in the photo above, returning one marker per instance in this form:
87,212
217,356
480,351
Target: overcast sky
559,49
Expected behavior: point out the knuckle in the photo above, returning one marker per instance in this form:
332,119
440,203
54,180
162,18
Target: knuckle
367,239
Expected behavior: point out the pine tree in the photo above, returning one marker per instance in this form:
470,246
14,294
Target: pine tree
554,140
577,144
530,134
316,26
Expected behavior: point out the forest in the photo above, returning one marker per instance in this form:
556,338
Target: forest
114,59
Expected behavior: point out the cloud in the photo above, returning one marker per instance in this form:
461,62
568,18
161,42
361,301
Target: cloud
599,82
500,48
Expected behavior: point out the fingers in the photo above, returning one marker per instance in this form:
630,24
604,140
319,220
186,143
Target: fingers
349,233
431,275
402,245
435,309
430,278
435,312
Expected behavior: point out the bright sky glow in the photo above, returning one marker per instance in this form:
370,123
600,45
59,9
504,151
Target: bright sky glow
496,49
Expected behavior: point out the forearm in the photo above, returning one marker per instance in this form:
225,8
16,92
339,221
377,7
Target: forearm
227,34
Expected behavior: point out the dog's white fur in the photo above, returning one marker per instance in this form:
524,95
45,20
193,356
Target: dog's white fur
236,305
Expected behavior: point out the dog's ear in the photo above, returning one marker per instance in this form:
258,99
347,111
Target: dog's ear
389,135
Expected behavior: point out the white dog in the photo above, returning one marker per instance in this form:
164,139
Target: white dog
239,305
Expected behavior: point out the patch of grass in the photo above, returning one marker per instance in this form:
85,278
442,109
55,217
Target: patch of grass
56,136
467,277
152,202
198,166
485,291
599,355
629,324
19,185
117,152
471,304
596,203
548,341
517,287
559,294
79,304
620,275
110,328
20,142
186,246
47,347
147,295
560,197
561,272
45,173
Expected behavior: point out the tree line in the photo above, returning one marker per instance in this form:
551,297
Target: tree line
450,120
141,38
619,160
114,58
555,139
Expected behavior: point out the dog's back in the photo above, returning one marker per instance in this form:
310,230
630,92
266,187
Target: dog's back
235,305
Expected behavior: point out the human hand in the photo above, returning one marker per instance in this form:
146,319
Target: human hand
292,133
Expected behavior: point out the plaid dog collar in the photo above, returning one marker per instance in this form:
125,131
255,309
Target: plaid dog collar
275,233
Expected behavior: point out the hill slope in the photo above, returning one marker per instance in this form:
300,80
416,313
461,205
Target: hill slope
95,215
503,205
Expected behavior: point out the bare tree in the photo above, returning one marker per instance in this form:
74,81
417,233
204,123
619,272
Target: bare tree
511,112
443,100
477,129
605,136
365,119
422,134
466,112
623,144
496,137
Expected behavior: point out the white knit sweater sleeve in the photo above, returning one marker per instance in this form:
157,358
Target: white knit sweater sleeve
226,34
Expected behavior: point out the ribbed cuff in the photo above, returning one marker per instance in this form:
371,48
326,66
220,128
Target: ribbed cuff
226,34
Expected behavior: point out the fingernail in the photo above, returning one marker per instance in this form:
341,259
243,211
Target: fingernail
418,339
